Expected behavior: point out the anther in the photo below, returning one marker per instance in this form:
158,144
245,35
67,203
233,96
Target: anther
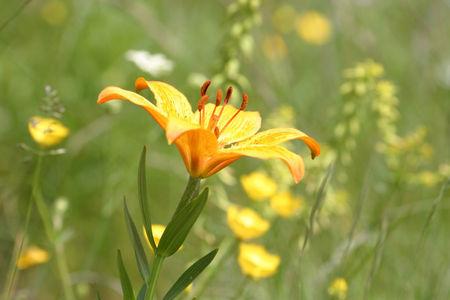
216,132
244,102
218,97
205,87
228,95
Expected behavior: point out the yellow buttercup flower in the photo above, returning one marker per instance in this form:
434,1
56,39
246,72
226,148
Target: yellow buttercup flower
32,256
256,262
285,205
157,230
245,223
47,132
258,186
215,135
338,288
313,28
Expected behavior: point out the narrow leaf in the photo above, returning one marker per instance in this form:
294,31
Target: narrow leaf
143,199
127,288
189,275
141,295
180,225
137,245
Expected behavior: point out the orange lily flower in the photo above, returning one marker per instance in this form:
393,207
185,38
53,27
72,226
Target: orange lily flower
215,135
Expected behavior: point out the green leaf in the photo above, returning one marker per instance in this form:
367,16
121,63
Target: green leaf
139,252
143,199
127,288
180,225
141,295
189,275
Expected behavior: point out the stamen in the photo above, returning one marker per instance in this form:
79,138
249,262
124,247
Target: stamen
201,108
226,100
213,119
205,87
216,132
243,107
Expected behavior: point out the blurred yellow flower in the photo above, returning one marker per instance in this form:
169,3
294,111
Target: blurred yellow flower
338,288
283,18
313,28
385,89
245,223
32,256
157,230
47,132
256,262
274,47
54,12
258,185
216,134
285,204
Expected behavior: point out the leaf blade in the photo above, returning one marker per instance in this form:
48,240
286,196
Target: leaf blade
189,275
180,225
139,252
143,199
127,288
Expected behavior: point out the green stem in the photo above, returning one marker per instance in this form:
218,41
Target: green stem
12,267
156,269
48,227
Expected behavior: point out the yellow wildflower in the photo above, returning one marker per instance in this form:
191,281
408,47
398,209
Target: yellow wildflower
338,288
274,47
32,256
256,262
47,132
246,223
285,205
157,230
215,135
313,28
258,185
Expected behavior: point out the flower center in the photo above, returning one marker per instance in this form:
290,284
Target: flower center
215,116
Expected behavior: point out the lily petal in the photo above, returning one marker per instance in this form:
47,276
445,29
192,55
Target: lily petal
292,160
168,99
243,126
279,135
116,93
197,146
176,127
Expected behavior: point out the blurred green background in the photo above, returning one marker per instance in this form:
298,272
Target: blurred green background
78,48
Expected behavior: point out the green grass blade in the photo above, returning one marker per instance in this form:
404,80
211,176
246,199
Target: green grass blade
127,288
143,199
142,291
139,252
180,225
189,275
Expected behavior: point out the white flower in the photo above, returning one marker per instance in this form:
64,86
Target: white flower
154,64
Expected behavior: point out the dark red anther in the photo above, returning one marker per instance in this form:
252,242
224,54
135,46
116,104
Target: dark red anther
228,95
205,87
244,102
219,96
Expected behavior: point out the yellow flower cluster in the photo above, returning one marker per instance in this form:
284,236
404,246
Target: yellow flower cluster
32,256
338,289
256,262
47,132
